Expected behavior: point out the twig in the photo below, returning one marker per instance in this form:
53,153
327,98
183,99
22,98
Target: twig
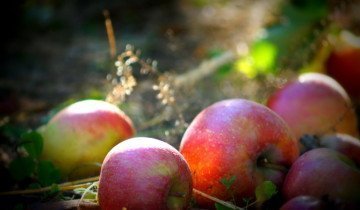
87,190
224,203
44,189
204,69
110,34
90,179
64,205
82,183
161,117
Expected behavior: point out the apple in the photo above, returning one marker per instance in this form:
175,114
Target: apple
144,173
324,173
304,202
314,104
343,143
343,64
233,146
79,136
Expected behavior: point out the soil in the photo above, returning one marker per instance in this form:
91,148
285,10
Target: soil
57,51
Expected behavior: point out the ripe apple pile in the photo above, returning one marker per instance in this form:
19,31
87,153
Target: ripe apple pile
80,135
315,104
228,150
241,140
144,173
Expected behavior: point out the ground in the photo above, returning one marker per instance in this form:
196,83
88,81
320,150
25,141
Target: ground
58,51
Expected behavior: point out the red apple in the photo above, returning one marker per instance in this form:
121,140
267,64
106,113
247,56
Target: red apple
233,146
315,104
304,202
80,135
144,173
348,145
324,173
343,64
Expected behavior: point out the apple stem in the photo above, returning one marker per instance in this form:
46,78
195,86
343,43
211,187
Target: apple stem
224,203
66,186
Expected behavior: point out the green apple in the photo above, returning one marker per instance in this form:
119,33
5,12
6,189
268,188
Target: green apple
77,138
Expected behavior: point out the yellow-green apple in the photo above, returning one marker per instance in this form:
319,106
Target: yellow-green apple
314,104
233,146
144,173
78,137
343,64
324,173
305,202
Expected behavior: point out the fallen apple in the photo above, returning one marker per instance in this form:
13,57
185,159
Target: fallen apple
305,202
324,173
345,144
233,146
315,104
343,64
78,137
144,173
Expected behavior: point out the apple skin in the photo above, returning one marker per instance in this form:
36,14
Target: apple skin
343,143
323,172
144,173
230,139
315,104
304,202
343,64
81,134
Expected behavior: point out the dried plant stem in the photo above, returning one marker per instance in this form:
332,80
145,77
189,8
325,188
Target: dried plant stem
110,34
87,190
204,69
224,203
82,183
44,189
161,117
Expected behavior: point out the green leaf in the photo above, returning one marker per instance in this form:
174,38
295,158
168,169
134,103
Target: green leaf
228,182
22,167
261,59
214,52
295,35
48,174
219,206
33,143
306,10
264,54
288,43
12,132
265,191
224,70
